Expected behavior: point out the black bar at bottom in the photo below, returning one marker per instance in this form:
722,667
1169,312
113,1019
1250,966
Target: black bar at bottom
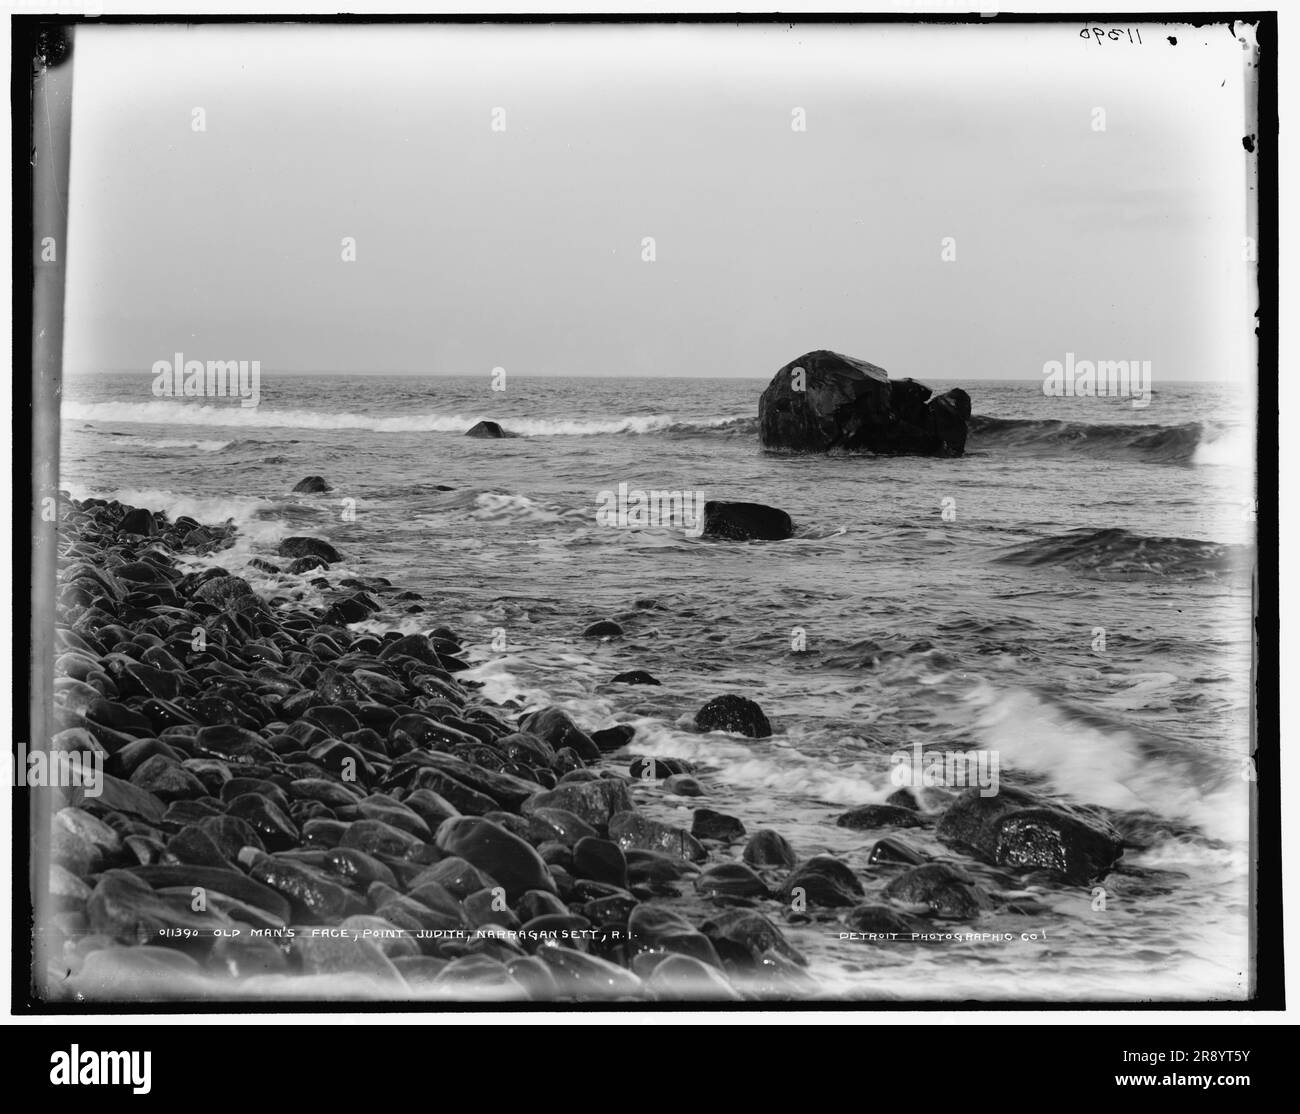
339,1061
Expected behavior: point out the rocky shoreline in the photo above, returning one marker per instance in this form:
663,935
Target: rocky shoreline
292,808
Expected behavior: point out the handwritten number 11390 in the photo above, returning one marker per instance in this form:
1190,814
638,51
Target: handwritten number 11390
1100,34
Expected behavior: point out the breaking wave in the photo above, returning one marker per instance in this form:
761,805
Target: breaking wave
232,415
1189,443
1117,551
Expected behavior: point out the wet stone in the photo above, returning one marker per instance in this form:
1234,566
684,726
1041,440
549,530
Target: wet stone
375,837
891,849
731,880
554,727
313,894
193,845
823,880
767,848
734,714
707,824
591,801
506,857
430,807
343,955
634,677
267,819
599,860
879,816
559,825
881,919
457,876
167,779
631,830
947,892
750,936
656,867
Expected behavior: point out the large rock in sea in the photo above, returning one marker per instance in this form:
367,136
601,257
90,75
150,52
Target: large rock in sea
824,401
746,521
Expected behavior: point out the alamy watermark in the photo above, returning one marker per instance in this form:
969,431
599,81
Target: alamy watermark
54,769
959,768
86,1067
1129,379
636,508
182,378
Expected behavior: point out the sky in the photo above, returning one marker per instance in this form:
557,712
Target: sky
525,246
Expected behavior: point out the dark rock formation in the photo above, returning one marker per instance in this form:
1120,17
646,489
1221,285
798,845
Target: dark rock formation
553,726
631,830
891,850
746,521
769,849
947,890
877,918
309,547
823,880
488,429
823,401
1016,829
610,739
310,485
733,713
634,677
731,880
708,824
879,816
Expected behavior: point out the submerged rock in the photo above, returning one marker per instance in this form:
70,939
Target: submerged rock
634,677
311,485
487,429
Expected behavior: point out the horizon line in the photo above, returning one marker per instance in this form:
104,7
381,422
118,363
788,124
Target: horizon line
84,374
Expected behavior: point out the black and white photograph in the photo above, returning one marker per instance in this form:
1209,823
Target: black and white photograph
633,513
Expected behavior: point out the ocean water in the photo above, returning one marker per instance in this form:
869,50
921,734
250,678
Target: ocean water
1074,594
